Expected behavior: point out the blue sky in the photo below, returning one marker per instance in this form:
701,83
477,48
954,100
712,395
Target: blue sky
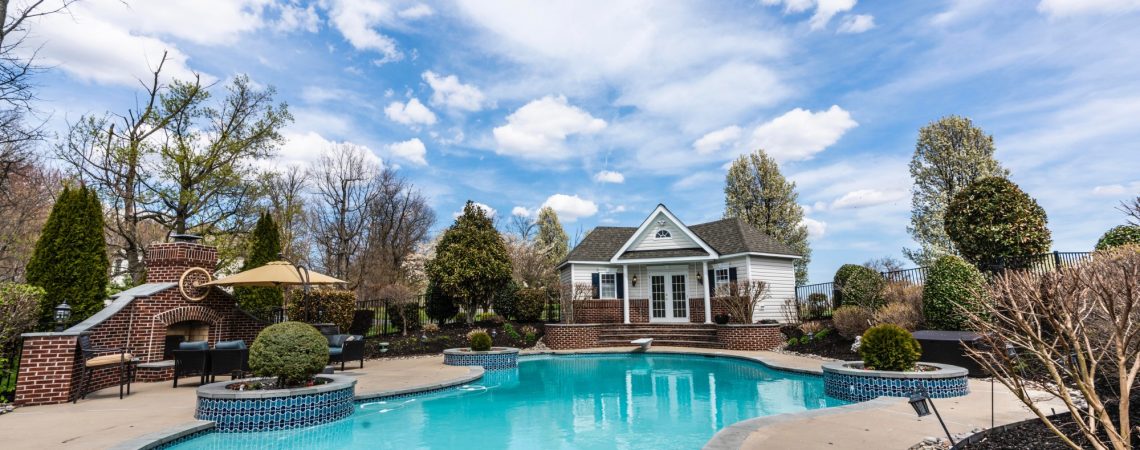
602,109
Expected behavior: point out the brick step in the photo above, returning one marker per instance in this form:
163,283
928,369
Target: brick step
711,329
669,342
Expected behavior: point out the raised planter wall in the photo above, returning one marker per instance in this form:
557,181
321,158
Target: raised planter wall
849,381
564,336
749,337
498,358
276,409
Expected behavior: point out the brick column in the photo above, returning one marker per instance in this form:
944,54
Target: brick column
47,368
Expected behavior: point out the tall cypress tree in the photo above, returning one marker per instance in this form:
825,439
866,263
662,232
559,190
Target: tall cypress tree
70,259
264,247
758,193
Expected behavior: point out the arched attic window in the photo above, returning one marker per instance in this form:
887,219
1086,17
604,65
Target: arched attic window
663,234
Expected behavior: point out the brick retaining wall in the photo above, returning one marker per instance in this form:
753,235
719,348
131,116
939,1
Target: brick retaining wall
610,311
749,337
572,336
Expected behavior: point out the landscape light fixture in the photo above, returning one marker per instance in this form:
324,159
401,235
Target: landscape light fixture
634,280
62,315
700,278
922,403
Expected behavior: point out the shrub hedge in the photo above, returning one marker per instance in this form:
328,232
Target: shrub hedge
323,306
1119,235
290,351
864,287
841,277
530,302
951,284
993,219
889,347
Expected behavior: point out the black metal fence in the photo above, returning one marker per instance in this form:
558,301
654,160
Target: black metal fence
382,318
10,370
817,301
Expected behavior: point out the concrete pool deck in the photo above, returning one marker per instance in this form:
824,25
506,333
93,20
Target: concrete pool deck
102,420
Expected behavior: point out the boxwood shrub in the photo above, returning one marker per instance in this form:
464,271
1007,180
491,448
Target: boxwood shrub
889,347
841,277
864,287
951,284
292,352
992,220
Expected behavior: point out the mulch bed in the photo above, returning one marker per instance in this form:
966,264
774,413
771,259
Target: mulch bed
831,346
452,335
1036,435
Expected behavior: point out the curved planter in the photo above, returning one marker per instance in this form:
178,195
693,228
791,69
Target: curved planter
849,381
276,409
494,359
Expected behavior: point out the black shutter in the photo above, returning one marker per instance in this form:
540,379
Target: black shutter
711,280
620,286
594,280
731,274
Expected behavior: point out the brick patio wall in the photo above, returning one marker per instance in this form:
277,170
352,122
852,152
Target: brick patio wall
47,367
749,337
610,311
572,336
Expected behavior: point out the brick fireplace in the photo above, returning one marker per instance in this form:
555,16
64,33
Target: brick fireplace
147,319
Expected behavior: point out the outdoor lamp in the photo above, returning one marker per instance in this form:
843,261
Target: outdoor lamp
634,280
921,402
700,278
62,314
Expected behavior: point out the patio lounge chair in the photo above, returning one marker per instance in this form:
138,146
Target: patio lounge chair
229,358
192,358
95,358
346,347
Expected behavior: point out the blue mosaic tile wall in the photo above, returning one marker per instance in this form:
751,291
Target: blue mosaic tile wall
281,413
857,388
489,361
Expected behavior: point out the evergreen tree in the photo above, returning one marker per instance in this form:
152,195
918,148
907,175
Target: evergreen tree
758,193
264,247
471,263
950,154
70,259
551,237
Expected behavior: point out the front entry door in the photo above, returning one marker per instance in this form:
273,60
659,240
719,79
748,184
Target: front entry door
668,297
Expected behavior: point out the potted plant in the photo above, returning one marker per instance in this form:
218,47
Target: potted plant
890,353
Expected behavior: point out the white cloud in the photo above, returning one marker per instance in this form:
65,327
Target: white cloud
538,129
359,20
411,113
417,11
856,23
450,92
570,208
863,198
816,228
609,176
799,134
697,179
709,97
483,206
1116,190
824,9
1063,8
715,140
520,211
411,150
305,148
294,17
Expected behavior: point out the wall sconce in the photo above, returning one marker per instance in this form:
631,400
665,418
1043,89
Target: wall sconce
700,278
634,280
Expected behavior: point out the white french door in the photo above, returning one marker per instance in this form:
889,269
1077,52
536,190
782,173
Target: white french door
668,297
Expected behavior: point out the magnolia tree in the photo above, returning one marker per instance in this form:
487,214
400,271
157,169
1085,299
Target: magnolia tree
1076,329
740,299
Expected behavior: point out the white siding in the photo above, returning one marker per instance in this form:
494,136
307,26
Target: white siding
781,278
583,273
647,241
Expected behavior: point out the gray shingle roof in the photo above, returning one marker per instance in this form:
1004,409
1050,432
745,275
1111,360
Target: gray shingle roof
726,236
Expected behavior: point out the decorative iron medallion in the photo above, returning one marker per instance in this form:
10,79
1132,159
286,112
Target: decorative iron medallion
191,283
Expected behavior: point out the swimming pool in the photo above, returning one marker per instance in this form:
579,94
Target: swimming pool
657,401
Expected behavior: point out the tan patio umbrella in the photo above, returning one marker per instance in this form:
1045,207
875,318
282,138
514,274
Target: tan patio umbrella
274,274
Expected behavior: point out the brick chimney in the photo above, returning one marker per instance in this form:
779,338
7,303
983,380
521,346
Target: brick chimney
165,262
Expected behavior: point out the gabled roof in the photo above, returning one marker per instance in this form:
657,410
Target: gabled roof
726,237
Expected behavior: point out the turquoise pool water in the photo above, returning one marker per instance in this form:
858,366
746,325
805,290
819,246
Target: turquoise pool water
654,401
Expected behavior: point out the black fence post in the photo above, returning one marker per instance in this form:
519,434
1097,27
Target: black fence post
1056,259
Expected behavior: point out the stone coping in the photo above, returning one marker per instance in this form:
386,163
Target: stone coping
473,373
746,325
855,368
218,390
492,351
158,439
164,364
580,324
733,436
695,351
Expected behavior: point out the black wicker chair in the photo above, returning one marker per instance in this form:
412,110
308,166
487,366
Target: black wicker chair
96,358
346,347
229,358
192,358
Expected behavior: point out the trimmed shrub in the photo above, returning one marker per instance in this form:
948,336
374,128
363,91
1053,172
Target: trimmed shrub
841,277
951,284
851,321
993,221
410,310
292,352
864,287
889,347
479,339
323,306
506,302
530,302
905,315
1118,236
440,307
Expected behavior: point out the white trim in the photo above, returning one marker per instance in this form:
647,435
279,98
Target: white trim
708,294
625,293
670,259
661,209
772,255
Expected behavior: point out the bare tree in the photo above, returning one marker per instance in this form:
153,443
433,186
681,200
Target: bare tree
399,219
522,226
24,206
344,184
397,297
530,265
740,299
1078,329
884,264
568,296
1132,210
285,194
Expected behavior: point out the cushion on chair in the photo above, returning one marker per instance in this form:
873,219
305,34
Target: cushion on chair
335,350
230,345
107,360
356,337
194,345
337,340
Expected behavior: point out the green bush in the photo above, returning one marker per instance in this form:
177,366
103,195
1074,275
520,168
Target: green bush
440,307
992,220
1119,235
19,307
323,306
506,301
480,341
292,352
411,311
864,287
841,277
510,331
951,284
531,301
851,321
889,347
